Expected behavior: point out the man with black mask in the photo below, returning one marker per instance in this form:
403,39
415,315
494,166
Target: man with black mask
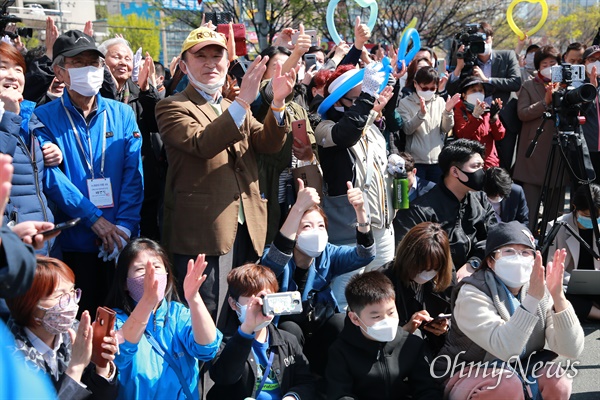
458,204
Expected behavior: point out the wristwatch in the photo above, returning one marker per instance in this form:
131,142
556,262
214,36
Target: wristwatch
475,264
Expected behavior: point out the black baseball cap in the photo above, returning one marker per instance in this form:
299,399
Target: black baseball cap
473,80
590,50
72,43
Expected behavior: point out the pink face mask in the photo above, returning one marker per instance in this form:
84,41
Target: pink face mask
135,286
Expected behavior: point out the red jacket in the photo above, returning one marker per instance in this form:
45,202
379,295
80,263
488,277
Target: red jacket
481,129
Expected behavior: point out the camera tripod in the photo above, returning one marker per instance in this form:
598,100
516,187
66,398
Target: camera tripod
568,148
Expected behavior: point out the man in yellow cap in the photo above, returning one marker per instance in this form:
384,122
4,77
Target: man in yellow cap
213,204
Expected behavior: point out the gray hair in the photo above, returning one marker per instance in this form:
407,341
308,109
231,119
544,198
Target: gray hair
59,60
107,44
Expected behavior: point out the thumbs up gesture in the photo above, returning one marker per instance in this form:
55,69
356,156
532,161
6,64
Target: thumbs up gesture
303,43
307,197
355,196
362,34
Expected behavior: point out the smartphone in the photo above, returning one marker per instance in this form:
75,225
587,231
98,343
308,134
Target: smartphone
439,318
60,227
311,32
441,66
310,60
105,321
299,131
285,303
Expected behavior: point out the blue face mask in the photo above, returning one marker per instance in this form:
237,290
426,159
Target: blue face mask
586,222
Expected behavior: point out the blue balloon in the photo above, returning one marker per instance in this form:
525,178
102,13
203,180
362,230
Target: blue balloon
372,4
410,33
351,83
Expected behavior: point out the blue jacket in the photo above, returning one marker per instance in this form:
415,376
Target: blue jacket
334,261
144,374
27,200
66,185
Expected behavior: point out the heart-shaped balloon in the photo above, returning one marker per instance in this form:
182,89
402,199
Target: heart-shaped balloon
515,28
410,33
372,4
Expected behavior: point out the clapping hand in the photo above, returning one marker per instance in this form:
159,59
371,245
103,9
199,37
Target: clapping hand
283,85
194,279
383,98
452,102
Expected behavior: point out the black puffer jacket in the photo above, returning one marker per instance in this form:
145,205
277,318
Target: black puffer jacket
466,222
234,368
359,368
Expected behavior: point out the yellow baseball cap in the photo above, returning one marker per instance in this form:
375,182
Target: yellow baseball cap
204,37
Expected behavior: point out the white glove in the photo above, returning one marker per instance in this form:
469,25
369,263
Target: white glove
396,165
137,61
1,110
105,256
6,39
373,78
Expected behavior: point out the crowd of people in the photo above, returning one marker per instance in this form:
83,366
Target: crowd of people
192,192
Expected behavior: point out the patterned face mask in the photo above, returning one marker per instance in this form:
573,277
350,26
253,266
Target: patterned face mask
59,318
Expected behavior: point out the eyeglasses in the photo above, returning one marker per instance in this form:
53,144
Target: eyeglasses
509,251
65,299
99,63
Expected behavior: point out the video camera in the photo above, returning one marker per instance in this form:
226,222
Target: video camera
6,19
567,101
474,42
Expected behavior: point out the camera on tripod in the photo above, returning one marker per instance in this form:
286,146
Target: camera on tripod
567,101
473,42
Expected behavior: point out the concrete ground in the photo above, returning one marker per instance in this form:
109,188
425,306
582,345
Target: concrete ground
586,385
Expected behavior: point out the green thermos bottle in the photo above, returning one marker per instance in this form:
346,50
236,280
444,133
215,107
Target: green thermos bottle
400,197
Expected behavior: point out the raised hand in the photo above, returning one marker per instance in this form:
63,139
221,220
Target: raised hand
254,314
355,196
423,109
555,271
306,198
252,79
479,109
383,98
194,278
81,352
51,35
283,85
537,283
452,101
88,29
303,43
151,294
362,34
147,69
231,43
309,74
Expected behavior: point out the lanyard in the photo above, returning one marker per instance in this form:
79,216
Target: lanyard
265,374
90,162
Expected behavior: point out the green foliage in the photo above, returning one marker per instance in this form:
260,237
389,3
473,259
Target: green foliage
101,12
139,31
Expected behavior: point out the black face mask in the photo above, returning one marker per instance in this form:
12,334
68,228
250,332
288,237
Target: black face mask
475,179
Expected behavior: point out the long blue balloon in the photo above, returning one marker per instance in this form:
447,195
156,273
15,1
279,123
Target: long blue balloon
410,33
372,4
349,84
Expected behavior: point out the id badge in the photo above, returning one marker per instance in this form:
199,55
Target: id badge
100,191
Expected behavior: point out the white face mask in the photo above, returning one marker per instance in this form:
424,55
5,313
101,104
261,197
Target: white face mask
426,95
209,89
546,72
473,97
241,313
86,81
589,67
488,49
514,271
382,331
529,61
425,276
312,242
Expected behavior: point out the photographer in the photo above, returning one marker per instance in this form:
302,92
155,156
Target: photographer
591,111
258,347
499,68
535,99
